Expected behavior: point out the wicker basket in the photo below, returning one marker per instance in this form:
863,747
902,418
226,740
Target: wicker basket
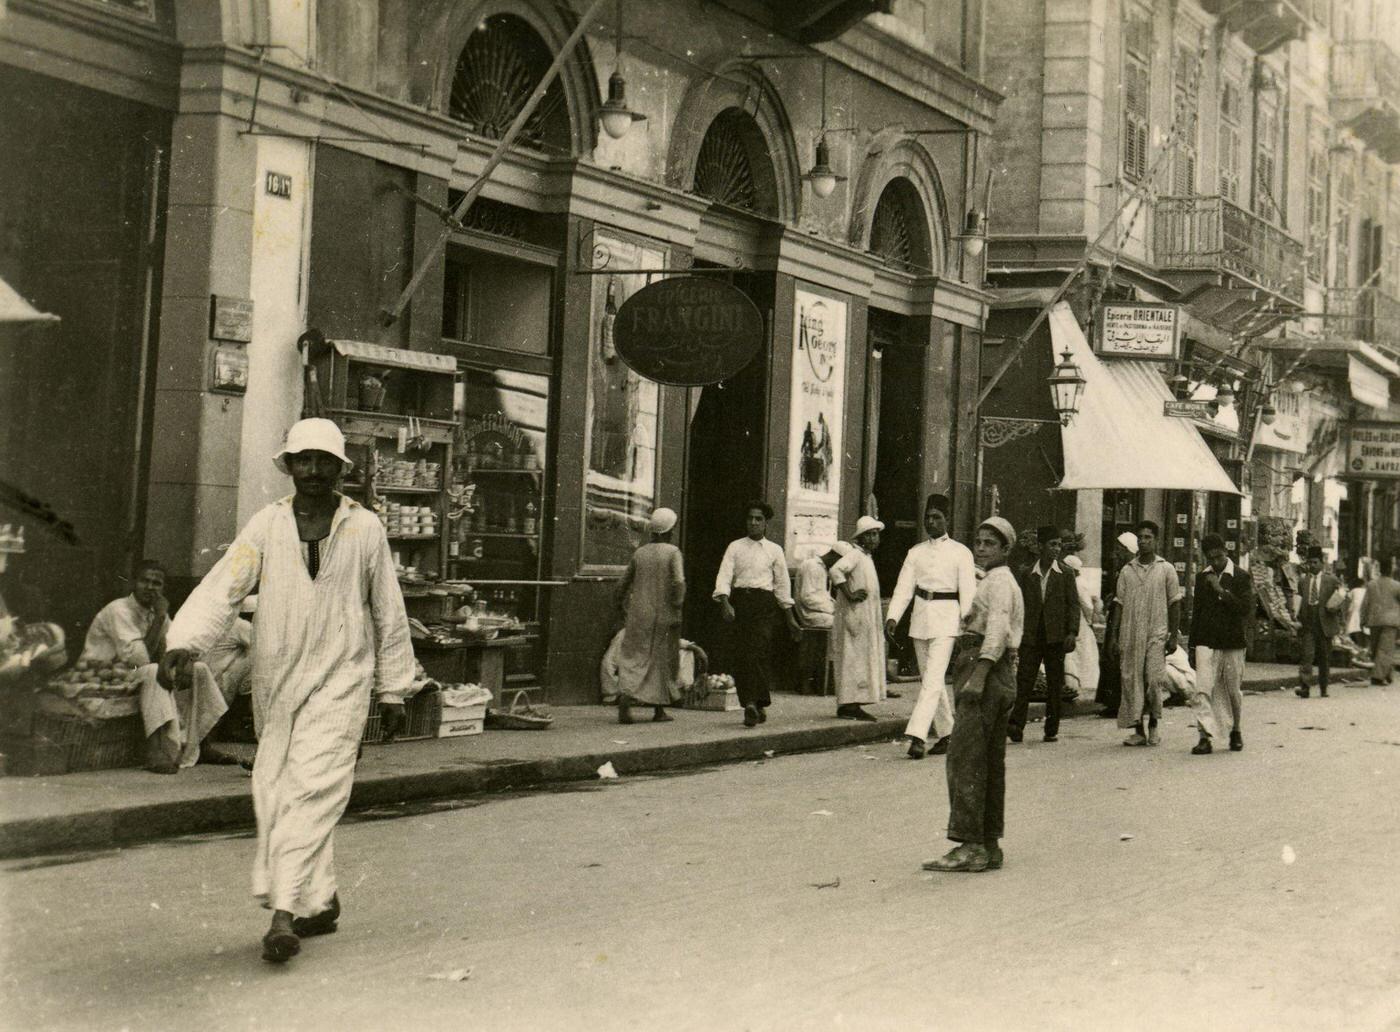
93,745
423,713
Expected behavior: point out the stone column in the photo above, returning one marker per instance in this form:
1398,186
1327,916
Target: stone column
195,434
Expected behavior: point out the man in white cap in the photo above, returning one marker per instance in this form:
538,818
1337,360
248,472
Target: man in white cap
857,644
940,579
651,594
985,686
331,634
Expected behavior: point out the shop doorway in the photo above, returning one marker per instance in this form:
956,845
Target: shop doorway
894,464
724,468
80,237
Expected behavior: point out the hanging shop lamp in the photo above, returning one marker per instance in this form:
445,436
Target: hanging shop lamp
1225,396
1268,414
974,234
822,178
615,116
1066,388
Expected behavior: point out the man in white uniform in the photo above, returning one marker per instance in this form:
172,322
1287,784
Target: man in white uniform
940,578
331,633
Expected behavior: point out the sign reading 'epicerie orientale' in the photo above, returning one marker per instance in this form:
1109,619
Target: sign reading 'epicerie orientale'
1373,450
1145,331
689,331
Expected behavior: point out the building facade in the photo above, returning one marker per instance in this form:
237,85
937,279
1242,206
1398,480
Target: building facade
297,163
1232,159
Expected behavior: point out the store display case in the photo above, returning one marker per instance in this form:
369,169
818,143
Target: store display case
395,409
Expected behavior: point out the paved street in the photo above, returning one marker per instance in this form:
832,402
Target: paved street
709,900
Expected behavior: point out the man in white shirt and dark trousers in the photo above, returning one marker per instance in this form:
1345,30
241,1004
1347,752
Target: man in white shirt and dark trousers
752,588
940,579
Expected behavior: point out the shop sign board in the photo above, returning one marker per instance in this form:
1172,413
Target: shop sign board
815,431
1143,331
1373,450
231,318
1288,430
1190,409
688,331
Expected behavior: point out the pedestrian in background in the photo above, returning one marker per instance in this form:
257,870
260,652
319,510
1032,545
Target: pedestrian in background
332,636
940,580
1320,596
1380,614
1142,629
857,643
985,685
1082,665
754,593
651,594
1223,608
1052,631
814,609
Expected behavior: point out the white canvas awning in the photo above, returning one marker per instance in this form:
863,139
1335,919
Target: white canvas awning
15,309
397,358
1120,438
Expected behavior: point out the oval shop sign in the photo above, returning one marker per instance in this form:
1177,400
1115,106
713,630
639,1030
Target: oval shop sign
689,331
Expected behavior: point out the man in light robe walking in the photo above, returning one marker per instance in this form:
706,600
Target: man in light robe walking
651,592
1142,629
332,634
857,644
940,579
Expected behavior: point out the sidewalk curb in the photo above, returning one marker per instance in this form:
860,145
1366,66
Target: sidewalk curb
120,826
111,827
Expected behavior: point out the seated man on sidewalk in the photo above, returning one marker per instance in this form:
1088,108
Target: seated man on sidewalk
132,629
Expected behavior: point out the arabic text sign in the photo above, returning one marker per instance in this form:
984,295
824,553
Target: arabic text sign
1373,450
1144,331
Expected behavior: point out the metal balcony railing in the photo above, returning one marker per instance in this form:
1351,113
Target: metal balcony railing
1212,234
1364,313
1365,70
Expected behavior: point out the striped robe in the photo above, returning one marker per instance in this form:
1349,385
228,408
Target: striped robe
320,649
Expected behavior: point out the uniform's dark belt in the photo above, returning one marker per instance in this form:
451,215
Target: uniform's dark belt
936,596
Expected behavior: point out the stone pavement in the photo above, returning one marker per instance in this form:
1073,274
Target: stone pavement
102,809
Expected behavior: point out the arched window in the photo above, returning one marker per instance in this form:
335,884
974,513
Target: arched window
899,228
733,166
499,67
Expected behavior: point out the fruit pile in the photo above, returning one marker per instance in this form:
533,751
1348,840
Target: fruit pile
95,679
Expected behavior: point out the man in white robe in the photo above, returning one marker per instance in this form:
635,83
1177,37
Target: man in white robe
332,633
857,639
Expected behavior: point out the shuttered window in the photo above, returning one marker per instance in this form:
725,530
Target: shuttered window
1186,110
1317,200
1267,133
1137,92
1229,142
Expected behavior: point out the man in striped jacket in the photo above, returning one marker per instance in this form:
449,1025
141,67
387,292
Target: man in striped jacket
332,631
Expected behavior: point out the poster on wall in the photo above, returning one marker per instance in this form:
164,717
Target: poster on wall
814,437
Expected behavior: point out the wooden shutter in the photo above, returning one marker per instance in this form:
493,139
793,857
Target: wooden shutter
1136,84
